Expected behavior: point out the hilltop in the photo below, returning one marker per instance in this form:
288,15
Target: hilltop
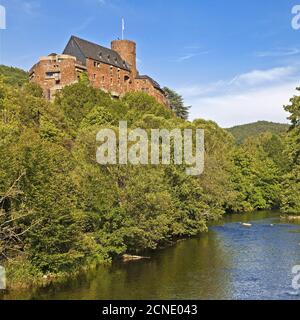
242,132
13,76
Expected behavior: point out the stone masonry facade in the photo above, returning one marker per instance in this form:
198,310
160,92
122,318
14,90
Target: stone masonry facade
112,70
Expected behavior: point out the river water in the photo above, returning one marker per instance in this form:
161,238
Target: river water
229,262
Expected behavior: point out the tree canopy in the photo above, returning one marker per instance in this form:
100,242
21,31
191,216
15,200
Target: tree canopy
60,210
176,103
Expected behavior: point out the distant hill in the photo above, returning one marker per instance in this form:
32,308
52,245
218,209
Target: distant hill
13,76
242,132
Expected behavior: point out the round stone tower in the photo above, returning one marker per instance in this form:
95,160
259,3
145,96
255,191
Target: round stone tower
127,51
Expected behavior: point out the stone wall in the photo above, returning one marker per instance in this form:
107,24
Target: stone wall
54,72
145,85
127,51
109,78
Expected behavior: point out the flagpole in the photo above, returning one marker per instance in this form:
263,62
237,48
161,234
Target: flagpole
123,28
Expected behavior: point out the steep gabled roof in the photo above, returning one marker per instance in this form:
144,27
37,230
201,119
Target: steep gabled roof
96,52
154,83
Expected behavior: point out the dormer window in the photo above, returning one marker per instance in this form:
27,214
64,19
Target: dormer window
108,57
100,55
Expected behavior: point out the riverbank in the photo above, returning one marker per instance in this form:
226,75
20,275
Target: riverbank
220,264
22,276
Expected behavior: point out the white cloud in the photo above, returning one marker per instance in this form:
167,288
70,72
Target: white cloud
202,89
232,109
192,47
250,80
190,56
257,77
279,52
30,7
252,96
186,57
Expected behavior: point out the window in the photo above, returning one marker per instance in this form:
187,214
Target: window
96,64
94,75
52,75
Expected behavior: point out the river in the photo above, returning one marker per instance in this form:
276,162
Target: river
230,261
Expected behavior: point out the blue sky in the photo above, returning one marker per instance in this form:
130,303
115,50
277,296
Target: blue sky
234,61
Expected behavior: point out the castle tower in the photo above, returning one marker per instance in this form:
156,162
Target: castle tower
127,51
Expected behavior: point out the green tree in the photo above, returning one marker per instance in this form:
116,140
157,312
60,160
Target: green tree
291,184
177,104
14,76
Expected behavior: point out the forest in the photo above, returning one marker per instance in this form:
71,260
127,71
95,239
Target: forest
61,212
245,131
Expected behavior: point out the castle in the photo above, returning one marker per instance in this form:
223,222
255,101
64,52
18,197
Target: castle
112,70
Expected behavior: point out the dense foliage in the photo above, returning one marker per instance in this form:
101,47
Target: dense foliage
243,132
291,182
60,210
176,103
14,76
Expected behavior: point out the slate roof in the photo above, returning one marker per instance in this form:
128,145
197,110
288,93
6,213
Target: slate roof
96,52
86,49
155,84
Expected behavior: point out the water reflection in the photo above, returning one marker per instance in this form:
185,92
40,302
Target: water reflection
228,262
